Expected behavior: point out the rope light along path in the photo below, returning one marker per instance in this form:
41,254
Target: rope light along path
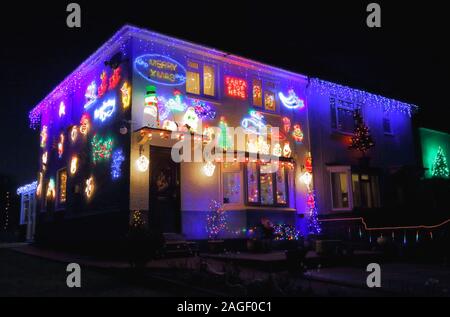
367,228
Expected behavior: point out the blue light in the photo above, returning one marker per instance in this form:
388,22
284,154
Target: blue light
27,188
292,101
106,110
160,69
116,166
255,123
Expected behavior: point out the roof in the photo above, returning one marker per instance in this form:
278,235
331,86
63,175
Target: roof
119,40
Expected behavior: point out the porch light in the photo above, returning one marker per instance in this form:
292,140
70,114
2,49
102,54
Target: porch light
209,169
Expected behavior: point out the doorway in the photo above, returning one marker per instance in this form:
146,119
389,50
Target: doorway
165,213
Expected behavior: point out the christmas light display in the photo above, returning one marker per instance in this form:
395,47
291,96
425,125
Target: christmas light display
85,124
306,179
45,158
287,150
174,104
208,134
126,95
74,133
160,69
236,87
51,189
440,166
209,168
313,219
277,150
116,165
258,146
255,123
224,140
103,86
297,134
73,165
356,96
142,164
27,188
203,110
284,232
308,163
90,95
101,149
137,219
106,110
170,125
61,145
39,186
286,124
90,186
190,119
62,109
362,140
291,101
44,136
269,101
151,106
216,220
115,78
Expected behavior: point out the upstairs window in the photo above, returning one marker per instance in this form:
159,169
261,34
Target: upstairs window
257,92
387,128
200,79
209,80
342,115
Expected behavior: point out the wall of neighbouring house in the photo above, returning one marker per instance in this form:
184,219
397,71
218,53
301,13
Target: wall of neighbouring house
330,147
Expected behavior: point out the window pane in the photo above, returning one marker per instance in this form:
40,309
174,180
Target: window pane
366,194
193,83
62,191
281,186
356,190
257,92
266,180
269,101
340,190
252,183
346,122
231,188
208,80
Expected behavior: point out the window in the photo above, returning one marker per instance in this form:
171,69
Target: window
269,100
365,191
267,184
62,187
231,183
257,92
353,189
387,129
193,82
209,80
342,115
340,190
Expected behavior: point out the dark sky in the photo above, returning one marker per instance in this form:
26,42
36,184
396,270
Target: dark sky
407,59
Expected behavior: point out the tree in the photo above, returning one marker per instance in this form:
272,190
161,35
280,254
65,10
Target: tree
362,140
440,167
216,220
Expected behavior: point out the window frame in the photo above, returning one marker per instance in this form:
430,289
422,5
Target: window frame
200,70
336,104
347,170
274,188
223,171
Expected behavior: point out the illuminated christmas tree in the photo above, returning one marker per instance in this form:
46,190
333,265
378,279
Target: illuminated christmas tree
440,167
224,141
313,219
362,140
216,220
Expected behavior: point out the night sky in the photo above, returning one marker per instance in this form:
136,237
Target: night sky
407,59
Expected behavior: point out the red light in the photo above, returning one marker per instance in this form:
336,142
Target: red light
236,87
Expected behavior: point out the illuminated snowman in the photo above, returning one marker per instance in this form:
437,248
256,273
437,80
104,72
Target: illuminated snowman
190,119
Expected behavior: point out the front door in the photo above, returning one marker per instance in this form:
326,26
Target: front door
165,213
